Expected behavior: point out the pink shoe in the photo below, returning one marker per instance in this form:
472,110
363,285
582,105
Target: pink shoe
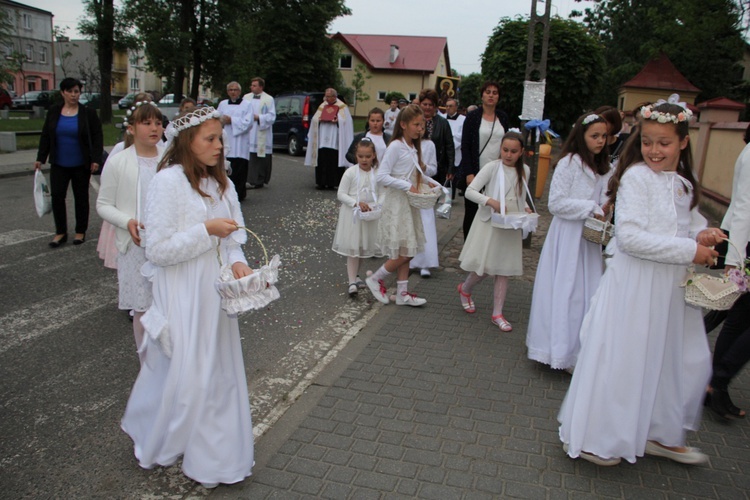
466,301
500,321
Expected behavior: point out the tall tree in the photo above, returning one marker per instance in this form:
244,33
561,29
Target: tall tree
468,89
105,26
575,64
703,38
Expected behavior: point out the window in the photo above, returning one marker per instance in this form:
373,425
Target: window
381,95
282,105
29,52
412,96
295,107
345,61
135,84
8,50
43,55
45,84
27,21
32,86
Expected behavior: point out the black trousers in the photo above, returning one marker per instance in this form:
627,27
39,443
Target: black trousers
328,173
59,178
239,176
732,349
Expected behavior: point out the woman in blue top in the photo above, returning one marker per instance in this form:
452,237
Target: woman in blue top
72,140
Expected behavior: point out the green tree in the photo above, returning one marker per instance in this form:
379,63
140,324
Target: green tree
358,84
703,38
284,42
468,90
106,27
575,64
393,95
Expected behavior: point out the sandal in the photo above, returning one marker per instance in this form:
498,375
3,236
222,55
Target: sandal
720,403
500,321
466,301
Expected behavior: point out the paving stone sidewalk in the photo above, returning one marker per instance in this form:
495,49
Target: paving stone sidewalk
434,403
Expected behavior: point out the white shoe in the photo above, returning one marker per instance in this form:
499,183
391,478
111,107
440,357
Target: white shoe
691,456
425,273
409,299
595,459
209,486
353,290
378,289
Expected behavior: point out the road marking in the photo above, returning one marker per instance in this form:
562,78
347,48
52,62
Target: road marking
270,387
17,236
34,321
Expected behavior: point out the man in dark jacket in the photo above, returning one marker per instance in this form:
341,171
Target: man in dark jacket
437,129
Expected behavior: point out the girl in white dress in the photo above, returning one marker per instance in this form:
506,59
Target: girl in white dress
400,230
644,362
570,267
489,250
358,191
190,399
429,257
121,202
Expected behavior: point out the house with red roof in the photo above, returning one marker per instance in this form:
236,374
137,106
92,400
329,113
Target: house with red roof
392,63
658,79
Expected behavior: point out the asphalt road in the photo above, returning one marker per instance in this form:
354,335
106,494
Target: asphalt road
67,356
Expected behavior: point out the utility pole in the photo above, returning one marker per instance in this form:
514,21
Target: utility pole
536,75
533,87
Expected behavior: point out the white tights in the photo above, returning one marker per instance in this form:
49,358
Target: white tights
352,268
500,291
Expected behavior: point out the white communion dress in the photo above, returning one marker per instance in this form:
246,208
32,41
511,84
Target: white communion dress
190,399
354,237
644,361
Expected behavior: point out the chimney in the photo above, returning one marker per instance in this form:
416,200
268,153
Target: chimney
394,53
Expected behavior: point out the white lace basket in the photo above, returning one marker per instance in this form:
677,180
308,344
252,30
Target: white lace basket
375,212
717,293
598,231
250,292
426,198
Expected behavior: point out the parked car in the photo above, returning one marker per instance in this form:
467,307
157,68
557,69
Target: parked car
6,100
43,98
169,99
294,111
205,101
91,99
126,101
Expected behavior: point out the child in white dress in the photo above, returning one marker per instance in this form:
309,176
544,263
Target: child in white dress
358,192
400,230
570,267
644,362
429,257
489,250
190,399
121,202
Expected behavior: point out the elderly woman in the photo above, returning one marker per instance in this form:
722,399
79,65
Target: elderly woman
72,140
483,133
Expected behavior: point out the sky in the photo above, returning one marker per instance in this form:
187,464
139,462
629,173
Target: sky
467,24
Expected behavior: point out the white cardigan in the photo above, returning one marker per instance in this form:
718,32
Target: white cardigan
572,189
175,221
646,221
487,177
117,202
737,218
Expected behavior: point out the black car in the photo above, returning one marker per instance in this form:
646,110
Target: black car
294,112
43,98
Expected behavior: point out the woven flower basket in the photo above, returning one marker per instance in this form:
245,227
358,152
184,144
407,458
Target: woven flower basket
250,292
597,231
717,293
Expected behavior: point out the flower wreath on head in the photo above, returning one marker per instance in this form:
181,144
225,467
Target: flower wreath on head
590,118
649,113
516,130
192,119
135,106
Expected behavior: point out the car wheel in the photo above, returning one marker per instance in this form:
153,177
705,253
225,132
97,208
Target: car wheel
293,147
